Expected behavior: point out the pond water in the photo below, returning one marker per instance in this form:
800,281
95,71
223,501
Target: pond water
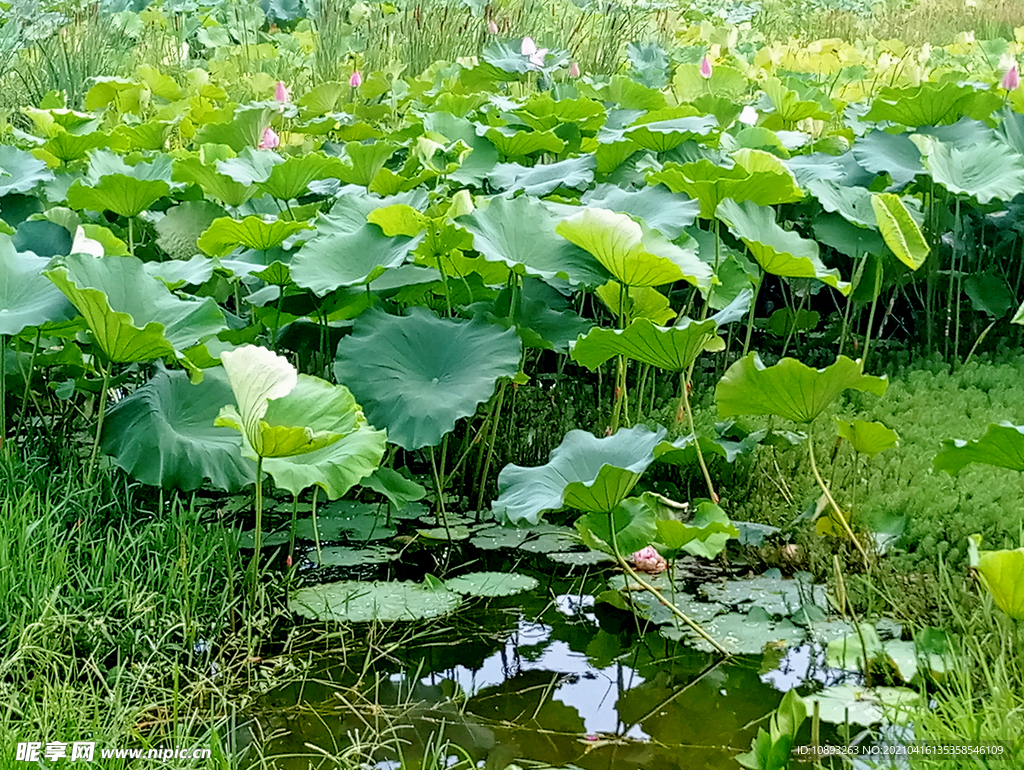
547,677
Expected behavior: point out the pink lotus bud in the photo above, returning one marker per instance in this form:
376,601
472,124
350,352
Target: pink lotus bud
356,80
1011,80
270,139
528,47
288,561
705,68
281,92
492,27
649,560
574,70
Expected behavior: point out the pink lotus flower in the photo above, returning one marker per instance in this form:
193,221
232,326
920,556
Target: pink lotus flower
1011,80
270,139
574,70
356,80
537,55
492,27
649,560
281,92
705,68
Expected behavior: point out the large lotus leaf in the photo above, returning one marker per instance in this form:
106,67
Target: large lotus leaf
986,171
163,434
705,535
1002,574
481,160
544,178
900,231
514,143
1002,446
636,302
417,375
633,255
352,601
338,256
132,315
769,592
110,184
520,233
225,234
27,297
525,493
43,238
777,250
202,170
743,634
867,438
895,154
663,135
757,176
491,584
629,527
852,202
672,348
688,83
328,409
20,171
179,230
847,704
541,112
284,179
789,389
931,104
661,209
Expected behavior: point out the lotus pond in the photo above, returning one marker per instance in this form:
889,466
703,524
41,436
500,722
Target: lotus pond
507,385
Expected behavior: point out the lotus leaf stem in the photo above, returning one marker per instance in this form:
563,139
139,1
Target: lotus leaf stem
99,422
831,500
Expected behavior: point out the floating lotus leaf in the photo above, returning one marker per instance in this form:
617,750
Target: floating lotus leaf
1002,446
867,438
599,472
352,601
493,538
225,234
131,314
27,297
491,584
163,435
1002,574
417,375
742,634
789,389
345,556
849,704
778,251
769,592
635,256
346,520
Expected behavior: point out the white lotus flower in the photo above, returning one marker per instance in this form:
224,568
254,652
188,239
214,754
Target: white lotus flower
748,115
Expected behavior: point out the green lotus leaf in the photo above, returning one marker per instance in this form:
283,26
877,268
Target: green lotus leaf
900,231
658,135
1002,446
757,176
202,170
867,438
361,162
987,171
659,208
338,256
43,238
544,178
179,230
742,634
399,490
635,256
520,233
176,273
778,251
688,84
636,302
250,166
27,297
931,104
132,315
417,375
163,434
847,704
151,135
110,184
1002,574
281,178
240,130
346,556
352,601
769,592
542,113
225,234
629,527
20,171
852,203
328,410
491,584
514,143
789,107
894,154
484,155
605,469
789,389
705,535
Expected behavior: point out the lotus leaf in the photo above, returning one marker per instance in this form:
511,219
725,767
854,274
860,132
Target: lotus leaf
352,601
1002,574
1002,446
491,584
225,234
868,438
847,704
626,529
27,297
